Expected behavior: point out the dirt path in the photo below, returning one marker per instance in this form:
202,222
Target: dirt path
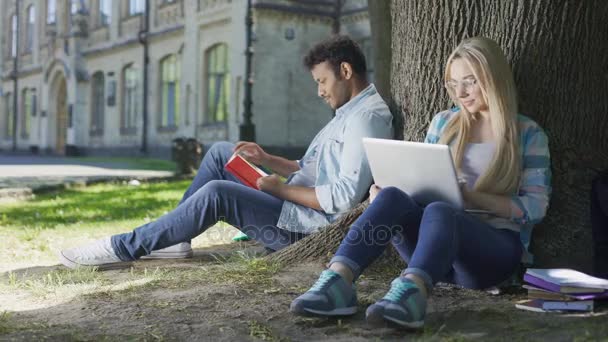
221,295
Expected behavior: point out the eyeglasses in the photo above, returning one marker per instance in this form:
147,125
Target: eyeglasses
468,84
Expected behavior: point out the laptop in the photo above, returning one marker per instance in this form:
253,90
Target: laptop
424,171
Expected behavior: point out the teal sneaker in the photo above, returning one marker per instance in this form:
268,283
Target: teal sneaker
329,296
403,304
241,237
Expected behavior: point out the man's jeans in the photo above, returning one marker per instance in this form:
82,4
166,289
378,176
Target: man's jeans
214,195
439,242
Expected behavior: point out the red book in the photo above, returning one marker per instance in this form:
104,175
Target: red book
245,171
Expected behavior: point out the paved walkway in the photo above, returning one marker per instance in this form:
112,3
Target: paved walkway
39,172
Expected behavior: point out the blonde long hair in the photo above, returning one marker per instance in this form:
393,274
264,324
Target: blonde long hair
495,79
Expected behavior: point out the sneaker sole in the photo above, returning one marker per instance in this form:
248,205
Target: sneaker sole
169,255
409,325
102,267
334,312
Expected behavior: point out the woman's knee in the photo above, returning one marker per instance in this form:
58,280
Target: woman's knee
392,194
441,209
438,217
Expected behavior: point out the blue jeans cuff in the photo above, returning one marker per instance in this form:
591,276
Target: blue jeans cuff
428,281
118,250
354,267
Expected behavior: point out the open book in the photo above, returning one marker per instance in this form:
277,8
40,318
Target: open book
245,171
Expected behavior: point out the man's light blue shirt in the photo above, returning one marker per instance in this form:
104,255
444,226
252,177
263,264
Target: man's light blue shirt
335,163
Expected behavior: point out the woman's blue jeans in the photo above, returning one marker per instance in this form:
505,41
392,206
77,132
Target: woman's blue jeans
214,195
438,242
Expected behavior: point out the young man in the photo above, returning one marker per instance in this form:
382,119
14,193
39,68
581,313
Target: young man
331,178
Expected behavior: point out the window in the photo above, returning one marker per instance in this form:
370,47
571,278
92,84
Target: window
29,110
218,84
170,73
105,12
129,100
8,109
136,6
14,36
74,6
30,28
97,103
51,9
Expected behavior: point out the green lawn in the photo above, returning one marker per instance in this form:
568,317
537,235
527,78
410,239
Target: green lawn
38,228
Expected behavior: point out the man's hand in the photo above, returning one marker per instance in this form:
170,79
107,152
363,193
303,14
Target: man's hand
373,192
271,184
252,152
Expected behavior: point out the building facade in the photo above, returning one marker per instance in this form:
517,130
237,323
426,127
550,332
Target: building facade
81,85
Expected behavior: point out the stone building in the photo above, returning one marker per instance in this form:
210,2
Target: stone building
81,76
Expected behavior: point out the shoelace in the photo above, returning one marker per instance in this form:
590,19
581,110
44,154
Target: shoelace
397,290
323,280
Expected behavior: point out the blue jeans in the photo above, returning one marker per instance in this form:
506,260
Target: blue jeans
439,242
214,195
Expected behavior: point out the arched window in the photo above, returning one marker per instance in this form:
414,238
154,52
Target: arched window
29,110
51,10
129,99
218,84
30,28
97,103
170,67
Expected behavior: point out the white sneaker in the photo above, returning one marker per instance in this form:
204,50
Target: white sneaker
180,251
99,253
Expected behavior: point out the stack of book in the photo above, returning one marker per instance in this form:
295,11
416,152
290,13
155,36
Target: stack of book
560,289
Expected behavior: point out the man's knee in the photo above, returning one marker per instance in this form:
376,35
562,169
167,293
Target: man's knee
222,148
216,189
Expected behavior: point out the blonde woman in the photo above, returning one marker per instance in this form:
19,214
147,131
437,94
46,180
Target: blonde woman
503,159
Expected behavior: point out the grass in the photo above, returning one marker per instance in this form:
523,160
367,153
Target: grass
95,206
5,326
52,221
262,332
131,163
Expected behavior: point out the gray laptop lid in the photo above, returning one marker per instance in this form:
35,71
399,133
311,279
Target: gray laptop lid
424,171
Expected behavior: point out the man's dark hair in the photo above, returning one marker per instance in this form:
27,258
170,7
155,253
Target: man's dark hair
336,50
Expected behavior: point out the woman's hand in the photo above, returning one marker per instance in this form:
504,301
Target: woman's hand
465,193
252,152
373,192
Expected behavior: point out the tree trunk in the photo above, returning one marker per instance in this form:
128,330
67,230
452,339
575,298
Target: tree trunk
558,53
320,245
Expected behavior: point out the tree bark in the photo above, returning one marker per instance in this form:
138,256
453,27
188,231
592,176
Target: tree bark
558,53
319,245
381,24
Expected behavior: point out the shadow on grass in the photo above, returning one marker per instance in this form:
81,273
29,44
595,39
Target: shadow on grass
184,300
98,204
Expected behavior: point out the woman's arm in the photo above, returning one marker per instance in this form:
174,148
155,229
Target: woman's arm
530,204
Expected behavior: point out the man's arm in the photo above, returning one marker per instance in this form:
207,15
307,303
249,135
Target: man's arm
255,154
297,194
281,166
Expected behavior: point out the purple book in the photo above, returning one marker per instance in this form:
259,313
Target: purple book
577,292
